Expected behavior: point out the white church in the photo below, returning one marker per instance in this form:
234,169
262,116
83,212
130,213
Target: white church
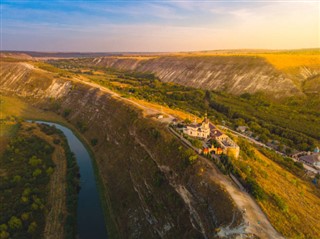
198,130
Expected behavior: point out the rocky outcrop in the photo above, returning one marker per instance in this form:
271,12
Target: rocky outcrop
233,74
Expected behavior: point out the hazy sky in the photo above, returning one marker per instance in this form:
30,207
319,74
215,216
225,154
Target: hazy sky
165,25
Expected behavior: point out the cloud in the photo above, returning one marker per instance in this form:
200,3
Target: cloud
159,26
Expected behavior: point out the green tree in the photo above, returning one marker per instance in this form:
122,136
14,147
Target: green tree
4,235
3,227
34,206
34,161
263,138
24,199
36,172
26,192
16,179
193,158
187,121
25,216
32,227
15,223
49,170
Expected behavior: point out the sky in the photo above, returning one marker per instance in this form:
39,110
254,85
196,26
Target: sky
158,25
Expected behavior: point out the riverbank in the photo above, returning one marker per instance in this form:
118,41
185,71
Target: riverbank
90,220
26,111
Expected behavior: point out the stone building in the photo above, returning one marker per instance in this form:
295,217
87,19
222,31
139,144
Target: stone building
198,130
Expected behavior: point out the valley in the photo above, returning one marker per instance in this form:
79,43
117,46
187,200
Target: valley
150,187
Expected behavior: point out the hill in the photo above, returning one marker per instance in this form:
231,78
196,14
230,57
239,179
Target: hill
277,74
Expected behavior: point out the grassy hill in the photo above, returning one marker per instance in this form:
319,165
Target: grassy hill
290,201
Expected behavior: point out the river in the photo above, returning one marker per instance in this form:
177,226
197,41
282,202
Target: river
90,218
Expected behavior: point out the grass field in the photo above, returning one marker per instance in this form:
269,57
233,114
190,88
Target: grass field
13,106
291,204
279,59
12,109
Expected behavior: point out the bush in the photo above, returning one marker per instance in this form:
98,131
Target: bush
280,203
94,142
66,113
83,127
255,189
158,179
15,223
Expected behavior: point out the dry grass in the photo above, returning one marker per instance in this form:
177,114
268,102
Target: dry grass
301,218
289,62
286,61
139,58
119,84
12,106
166,110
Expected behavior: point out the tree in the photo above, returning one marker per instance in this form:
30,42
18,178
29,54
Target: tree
49,171
187,121
24,199
16,179
34,161
25,216
263,138
32,227
36,172
193,158
34,206
4,235
3,227
15,223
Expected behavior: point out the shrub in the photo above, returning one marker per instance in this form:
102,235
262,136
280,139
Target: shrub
15,223
280,202
255,189
66,113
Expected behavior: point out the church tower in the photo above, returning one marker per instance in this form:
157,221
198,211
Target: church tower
205,122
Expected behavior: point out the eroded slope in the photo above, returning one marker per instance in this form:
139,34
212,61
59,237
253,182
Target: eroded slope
234,74
150,189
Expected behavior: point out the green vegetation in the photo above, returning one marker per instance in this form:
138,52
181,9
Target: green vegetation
72,194
294,122
83,127
26,167
287,197
195,142
51,68
27,164
286,162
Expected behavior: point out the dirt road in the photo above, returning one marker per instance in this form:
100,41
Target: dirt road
256,221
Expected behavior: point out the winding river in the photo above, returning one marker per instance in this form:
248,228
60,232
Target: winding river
90,218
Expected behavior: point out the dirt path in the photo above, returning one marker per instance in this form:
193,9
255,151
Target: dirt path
57,197
256,221
146,110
